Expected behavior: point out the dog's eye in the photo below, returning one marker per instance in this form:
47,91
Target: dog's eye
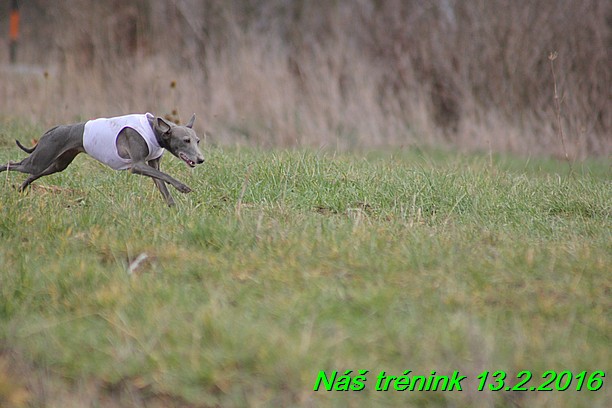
198,141
186,140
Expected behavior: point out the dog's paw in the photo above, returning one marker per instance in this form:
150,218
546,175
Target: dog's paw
183,188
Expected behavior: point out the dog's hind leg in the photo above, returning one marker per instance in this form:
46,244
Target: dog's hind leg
15,166
59,165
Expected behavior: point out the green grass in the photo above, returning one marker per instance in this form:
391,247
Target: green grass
281,264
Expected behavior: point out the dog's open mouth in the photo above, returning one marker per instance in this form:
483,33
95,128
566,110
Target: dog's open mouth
186,159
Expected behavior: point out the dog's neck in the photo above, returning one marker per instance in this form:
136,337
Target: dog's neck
160,140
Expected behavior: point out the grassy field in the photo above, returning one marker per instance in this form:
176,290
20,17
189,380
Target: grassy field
283,264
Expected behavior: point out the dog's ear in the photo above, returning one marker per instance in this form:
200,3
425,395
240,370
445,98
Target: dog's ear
162,126
190,123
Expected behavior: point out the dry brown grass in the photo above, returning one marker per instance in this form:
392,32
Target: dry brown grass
472,75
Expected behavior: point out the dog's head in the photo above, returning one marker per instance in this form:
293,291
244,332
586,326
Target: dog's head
181,141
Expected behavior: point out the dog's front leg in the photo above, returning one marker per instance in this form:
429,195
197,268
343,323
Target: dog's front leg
131,145
145,170
161,185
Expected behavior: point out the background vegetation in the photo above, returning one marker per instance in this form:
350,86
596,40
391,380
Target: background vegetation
469,74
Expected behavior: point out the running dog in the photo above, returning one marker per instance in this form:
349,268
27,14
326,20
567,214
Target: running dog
132,142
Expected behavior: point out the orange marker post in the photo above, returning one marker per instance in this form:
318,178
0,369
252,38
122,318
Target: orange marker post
14,30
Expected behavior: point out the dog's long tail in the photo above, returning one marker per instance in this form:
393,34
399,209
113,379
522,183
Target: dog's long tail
25,149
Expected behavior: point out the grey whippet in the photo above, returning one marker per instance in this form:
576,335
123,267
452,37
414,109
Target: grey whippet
131,142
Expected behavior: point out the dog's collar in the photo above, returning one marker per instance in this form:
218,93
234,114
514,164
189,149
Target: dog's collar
161,142
159,139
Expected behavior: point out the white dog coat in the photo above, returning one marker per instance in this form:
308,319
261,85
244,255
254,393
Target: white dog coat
100,139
